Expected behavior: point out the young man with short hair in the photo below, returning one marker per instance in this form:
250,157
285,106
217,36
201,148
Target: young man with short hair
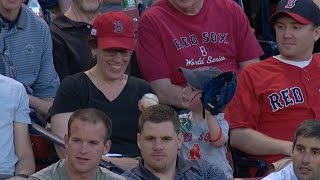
305,154
275,95
159,140
87,140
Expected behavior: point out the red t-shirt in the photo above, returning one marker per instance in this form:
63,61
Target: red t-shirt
219,35
273,98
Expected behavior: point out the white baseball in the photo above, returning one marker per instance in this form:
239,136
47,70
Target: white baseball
147,100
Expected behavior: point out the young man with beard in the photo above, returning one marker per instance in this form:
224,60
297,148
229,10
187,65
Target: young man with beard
159,139
88,138
305,154
70,32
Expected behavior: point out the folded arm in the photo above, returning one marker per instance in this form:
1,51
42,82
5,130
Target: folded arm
41,106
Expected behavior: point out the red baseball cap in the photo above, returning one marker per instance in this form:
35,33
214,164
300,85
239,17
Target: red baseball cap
114,30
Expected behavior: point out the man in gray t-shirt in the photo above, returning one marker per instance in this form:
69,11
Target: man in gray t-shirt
87,140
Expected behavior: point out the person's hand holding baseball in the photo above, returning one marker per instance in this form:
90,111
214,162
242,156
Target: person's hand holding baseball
147,100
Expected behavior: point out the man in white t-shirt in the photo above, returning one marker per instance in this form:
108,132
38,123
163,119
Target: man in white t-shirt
305,154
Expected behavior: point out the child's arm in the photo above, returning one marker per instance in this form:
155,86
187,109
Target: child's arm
215,131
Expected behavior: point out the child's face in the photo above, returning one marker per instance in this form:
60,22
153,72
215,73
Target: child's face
191,98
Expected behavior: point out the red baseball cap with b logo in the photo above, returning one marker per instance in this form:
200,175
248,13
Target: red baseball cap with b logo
114,30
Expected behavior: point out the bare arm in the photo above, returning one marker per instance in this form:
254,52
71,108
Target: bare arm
214,130
59,127
23,148
64,5
168,93
41,106
256,143
245,63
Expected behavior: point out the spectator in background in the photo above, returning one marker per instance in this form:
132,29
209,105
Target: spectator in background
53,5
115,5
70,32
88,138
106,87
159,139
191,34
16,157
305,154
26,53
275,95
108,5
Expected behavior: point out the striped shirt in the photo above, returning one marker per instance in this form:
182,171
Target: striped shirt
26,54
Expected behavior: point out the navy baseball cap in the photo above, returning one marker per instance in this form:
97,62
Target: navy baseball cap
197,77
303,11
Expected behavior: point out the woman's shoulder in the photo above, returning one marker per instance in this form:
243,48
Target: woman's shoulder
75,79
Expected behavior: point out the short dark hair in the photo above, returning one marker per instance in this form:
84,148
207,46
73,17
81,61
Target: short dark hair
91,115
157,114
307,129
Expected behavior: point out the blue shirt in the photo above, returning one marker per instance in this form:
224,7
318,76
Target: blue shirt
26,54
14,103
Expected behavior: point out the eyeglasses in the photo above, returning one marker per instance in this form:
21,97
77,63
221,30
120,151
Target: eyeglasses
12,70
114,52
